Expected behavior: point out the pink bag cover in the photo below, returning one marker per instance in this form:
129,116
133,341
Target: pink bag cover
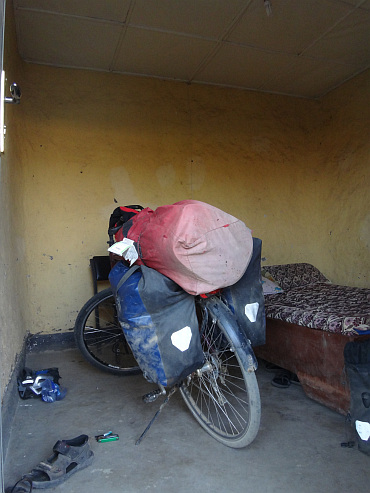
198,246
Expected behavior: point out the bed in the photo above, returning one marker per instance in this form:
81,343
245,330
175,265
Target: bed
309,321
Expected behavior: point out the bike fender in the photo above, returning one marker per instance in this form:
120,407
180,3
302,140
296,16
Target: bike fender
239,340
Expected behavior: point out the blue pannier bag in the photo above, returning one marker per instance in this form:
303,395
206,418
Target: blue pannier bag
159,321
245,299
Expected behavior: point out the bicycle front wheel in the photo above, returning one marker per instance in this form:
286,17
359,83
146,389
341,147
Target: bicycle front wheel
100,338
222,396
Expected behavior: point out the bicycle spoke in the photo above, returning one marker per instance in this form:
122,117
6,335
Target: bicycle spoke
220,409
218,394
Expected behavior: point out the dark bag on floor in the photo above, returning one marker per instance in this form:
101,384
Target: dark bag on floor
245,299
159,321
357,362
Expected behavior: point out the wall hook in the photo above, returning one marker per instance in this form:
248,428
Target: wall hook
16,93
15,98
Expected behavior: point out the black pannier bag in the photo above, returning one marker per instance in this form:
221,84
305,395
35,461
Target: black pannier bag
357,363
159,321
245,299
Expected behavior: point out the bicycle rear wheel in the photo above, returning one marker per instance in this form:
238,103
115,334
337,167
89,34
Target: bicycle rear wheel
222,396
100,338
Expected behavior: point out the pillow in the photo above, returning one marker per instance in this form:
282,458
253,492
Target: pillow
270,287
290,276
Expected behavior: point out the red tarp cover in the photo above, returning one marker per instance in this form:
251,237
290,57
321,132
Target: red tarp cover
196,245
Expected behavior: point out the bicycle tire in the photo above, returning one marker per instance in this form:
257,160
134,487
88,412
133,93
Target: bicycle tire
223,396
100,338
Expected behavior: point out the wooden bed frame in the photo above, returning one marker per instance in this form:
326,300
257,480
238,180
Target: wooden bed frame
316,356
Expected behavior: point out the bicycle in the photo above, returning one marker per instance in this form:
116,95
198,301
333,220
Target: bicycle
223,395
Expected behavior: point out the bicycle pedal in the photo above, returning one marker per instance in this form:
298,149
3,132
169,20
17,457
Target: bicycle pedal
153,396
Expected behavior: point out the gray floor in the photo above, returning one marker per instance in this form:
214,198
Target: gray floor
297,448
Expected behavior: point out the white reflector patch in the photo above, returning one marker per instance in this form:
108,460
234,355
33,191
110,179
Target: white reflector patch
251,311
181,339
363,429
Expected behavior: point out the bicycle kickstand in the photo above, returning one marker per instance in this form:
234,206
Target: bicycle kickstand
171,392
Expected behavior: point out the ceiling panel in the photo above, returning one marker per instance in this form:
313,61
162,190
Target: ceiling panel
241,66
364,4
62,41
348,41
204,18
115,10
304,48
160,54
291,27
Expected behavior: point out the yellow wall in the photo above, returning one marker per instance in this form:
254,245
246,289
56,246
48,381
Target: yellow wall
345,161
13,270
91,141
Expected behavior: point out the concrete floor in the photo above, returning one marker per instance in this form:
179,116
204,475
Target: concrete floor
297,448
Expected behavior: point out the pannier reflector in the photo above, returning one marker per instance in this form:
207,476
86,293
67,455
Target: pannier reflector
181,339
363,429
251,311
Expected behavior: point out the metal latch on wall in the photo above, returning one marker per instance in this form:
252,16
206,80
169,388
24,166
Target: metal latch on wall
15,98
16,93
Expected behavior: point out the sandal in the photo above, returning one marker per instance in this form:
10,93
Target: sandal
282,379
24,485
69,457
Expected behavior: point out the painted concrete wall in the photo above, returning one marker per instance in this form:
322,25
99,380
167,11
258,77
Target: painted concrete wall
287,167
81,143
13,270
90,139
344,158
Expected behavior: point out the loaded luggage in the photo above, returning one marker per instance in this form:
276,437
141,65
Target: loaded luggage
196,245
159,321
246,300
